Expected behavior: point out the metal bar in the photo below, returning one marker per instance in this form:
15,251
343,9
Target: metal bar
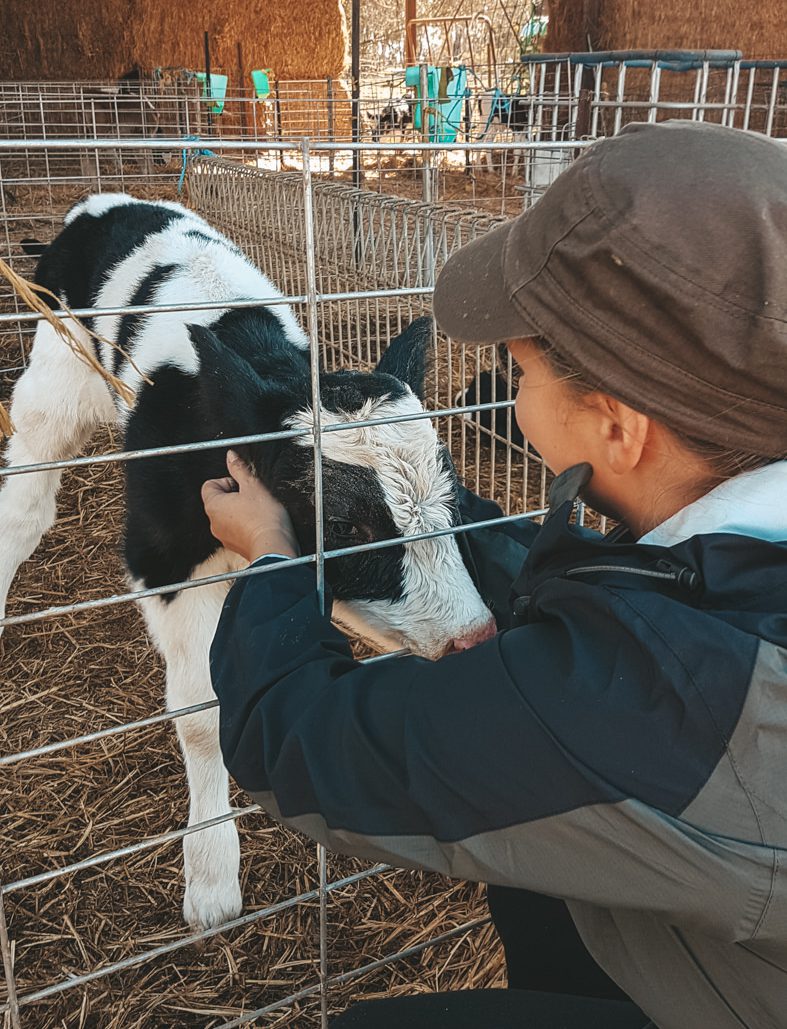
655,87
319,556
149,843
232,441
100,734
749,95
214,305
331,124
426,114
355,73
774,94
161,716
620,96
124,598
176,143
356,973
427,274
187,941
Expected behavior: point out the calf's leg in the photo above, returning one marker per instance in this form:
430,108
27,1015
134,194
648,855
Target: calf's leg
182,629
57,404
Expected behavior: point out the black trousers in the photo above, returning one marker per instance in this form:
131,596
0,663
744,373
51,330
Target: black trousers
543,949
492,1009
553,981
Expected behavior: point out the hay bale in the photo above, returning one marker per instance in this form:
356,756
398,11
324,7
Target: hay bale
74,40
760,31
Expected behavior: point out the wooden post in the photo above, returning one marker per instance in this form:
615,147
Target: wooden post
356,121
409,32
590,19
208,89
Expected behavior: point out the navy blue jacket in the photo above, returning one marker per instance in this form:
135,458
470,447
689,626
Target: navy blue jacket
623,745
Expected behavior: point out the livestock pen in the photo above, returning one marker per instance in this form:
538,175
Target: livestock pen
93,793
94,683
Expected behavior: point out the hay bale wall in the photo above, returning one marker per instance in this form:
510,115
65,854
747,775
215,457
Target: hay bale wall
76,40
758,30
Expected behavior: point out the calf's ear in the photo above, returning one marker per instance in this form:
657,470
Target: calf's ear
406,355
236,401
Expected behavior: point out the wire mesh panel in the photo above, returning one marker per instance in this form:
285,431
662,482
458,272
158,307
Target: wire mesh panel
542,98
366,242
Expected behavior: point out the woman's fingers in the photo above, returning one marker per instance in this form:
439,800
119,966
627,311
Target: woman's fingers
218,487
245,516
239,470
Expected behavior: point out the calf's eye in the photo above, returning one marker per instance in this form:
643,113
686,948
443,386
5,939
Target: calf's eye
344,530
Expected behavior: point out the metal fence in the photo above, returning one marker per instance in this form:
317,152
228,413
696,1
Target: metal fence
386,252
544,97
356,264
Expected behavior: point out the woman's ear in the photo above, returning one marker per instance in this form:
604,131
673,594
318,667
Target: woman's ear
623,433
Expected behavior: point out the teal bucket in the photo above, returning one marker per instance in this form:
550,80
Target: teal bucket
218,90
445,116
262,83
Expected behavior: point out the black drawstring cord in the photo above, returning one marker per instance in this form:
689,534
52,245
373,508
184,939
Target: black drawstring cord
685,577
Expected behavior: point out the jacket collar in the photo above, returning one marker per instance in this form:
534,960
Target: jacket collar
565,551
752,504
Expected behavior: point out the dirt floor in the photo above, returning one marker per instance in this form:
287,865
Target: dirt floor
73,675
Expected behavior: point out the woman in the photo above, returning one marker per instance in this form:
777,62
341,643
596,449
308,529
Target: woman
622,744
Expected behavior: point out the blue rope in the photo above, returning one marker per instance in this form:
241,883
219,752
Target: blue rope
185,160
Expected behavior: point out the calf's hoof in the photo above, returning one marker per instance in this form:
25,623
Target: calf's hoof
210,904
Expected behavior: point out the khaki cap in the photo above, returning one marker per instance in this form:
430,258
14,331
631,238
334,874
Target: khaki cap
657,266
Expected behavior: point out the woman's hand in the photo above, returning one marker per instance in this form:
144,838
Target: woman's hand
245,517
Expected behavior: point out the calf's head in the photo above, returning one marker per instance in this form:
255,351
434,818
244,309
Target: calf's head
380,482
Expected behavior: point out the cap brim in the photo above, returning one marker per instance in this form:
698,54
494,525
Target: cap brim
471,302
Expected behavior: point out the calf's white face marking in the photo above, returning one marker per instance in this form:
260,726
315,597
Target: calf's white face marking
439,602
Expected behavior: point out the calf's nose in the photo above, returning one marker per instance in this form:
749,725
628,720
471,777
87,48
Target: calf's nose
475,636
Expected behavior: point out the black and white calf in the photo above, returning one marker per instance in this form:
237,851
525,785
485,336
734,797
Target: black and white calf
498,112
223,373
394,117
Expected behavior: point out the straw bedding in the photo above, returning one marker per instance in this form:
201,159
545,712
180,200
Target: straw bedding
74,675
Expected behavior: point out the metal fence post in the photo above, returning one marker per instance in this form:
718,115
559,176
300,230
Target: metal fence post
331,127
427,271
314,353
425,114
